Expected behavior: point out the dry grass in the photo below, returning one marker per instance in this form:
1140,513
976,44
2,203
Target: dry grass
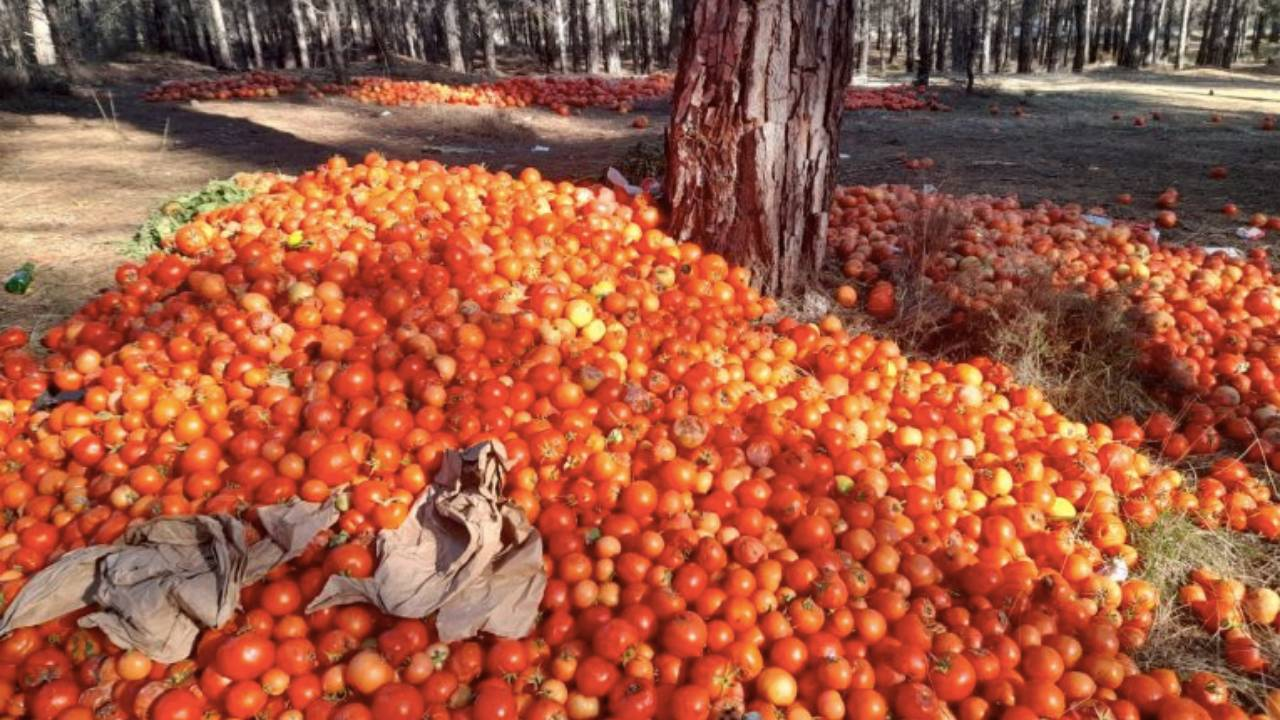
1169,550
1080,351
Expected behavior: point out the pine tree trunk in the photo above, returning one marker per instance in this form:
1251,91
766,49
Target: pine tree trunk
59,34
1051,51
894,30
453,35
1152,32
1082,35
300,33
986,62
218,33
1026,46
641,26
591,28
1228,52
744,179
661,32
255,39
41,33
336,47
488,34
609,38
13,52
909,26
925,41
1181,57
1129,56
675,30
941,31
863,26
1100,30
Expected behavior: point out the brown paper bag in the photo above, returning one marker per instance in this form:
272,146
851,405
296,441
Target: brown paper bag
463,551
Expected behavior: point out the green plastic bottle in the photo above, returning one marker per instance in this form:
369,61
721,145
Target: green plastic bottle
20,281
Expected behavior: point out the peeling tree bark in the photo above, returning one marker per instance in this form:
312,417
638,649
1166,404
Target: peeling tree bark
754,130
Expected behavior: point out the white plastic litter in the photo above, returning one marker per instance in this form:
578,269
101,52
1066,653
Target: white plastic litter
540,148
620,183
1228,251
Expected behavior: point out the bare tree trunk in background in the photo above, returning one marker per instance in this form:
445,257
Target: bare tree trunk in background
661,32
591,28
925,60
986,63
556,22
1026,48
63,45
643,44
337,49
1130,56
300,33
863,38
1212,40
218,33
255,40
1153,32
609,37
376,12
489,31
1083,10
41,34
941,29
745,180
1000,37
1051,45
453,36
909,29
1256,45
1095,42
675,31
12,49
894,22
971,43
1180,58
1228,52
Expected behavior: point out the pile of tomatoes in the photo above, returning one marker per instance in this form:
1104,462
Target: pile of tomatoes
1209,321
562,94
739,515
244,86
895,97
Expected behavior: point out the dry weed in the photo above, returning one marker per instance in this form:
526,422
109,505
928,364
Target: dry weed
1169,550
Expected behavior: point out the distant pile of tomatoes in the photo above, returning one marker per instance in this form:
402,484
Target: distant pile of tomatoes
739,514
894,97
561,94
244,86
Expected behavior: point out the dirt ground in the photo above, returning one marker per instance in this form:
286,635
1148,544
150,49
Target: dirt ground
79,174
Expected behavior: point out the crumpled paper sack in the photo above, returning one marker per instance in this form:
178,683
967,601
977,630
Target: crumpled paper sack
167,577
463,551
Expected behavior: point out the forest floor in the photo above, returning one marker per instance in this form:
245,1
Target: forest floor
78,176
